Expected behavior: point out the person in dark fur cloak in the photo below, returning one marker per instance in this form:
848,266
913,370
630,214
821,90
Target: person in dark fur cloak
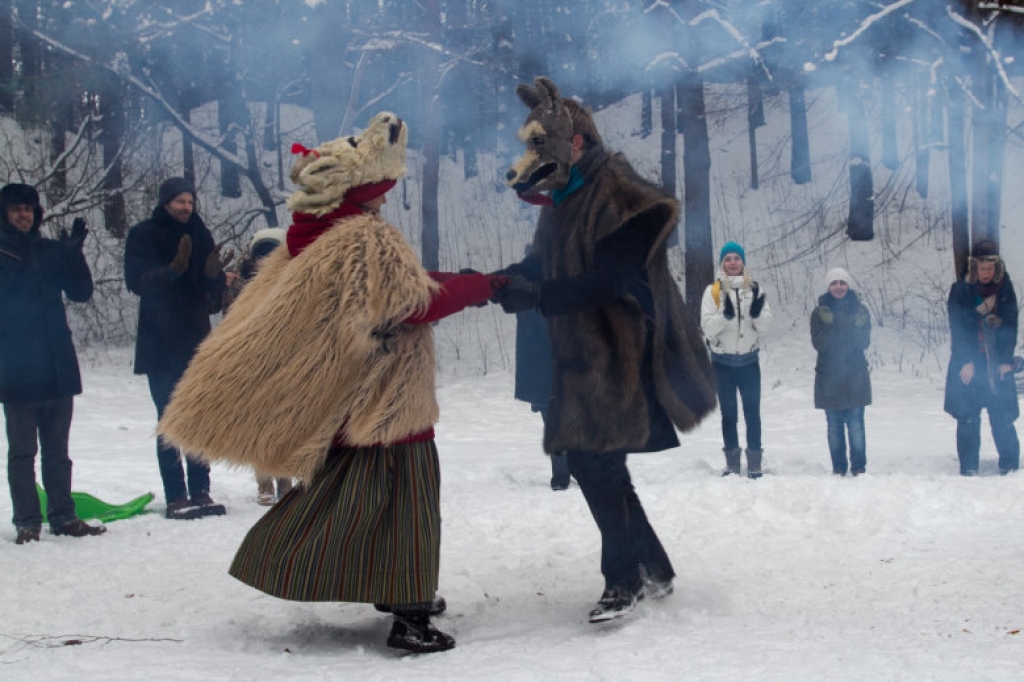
331,342
983,329
629,366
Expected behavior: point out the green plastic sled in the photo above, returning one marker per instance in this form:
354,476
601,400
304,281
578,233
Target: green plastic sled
88,507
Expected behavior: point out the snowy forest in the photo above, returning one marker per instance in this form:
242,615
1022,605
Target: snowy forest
102,100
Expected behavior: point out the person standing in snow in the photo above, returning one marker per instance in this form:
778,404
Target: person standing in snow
332,341
733,315
983,332
841,332
533,372
629,367
172,264
39,374
262,244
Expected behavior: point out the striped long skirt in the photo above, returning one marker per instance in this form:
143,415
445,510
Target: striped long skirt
367,528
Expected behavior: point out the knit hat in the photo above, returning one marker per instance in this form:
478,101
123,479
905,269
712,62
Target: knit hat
172,187
837,274
350,169
732,247
265,241
18,194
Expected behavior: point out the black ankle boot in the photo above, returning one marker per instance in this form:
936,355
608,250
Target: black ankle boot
414,632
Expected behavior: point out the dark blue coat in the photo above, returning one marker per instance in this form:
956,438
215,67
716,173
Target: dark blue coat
841,377
37,356
966,345
174,310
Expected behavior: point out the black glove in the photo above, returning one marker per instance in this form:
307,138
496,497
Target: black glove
728,311
518,295
77,237
758,303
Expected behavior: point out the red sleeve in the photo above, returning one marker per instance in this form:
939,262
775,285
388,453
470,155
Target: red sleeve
442,276
456,292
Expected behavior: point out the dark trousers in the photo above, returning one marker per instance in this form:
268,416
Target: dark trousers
839,423
1004,433
49,421
627,539
559,461
161,385
746,380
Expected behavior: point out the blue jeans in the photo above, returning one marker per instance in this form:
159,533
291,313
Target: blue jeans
627,539
161,385
839,423
1004,433
746,380
50,422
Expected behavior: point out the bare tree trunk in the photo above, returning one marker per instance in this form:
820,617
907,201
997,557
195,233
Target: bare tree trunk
432,126
922,148
697,243
989,134
112,129
800,157
231,118
755,118
6,56
31,60
959,210
860,224
890,153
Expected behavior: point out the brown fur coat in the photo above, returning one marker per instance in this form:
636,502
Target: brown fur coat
313,344
600,401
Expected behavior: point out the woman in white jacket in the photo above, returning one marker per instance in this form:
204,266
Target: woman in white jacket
733,314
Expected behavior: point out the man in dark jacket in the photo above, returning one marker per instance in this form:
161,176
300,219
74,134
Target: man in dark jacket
173,265
39,374
983,330
629,366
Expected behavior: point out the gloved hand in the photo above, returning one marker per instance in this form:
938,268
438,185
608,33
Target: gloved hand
861,318
216,262
728,311
180,262
77,237
757,304
824,314
518,295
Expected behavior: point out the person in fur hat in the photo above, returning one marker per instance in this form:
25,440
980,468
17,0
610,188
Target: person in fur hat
629,368
983,331
841,332
39,374
268,489
332,344
733,315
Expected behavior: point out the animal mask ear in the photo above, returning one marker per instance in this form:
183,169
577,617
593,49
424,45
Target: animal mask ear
528,94
548,87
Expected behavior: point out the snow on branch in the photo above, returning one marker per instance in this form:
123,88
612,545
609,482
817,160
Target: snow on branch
987,42
151,91
748,49
1000,7
865,25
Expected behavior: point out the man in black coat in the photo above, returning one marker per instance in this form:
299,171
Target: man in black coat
629,367
39,374
173,264
983,333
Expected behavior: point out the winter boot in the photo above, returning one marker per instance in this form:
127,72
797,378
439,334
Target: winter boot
265,492
754,463
732,461
27,534
284,486
437,606
78,529
613,604
414,632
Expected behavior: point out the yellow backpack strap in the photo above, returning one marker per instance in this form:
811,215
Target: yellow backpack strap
716,293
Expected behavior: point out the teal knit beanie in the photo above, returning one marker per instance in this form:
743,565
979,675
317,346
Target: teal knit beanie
732,247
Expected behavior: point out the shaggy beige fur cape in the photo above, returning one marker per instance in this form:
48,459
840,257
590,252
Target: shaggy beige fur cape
314,344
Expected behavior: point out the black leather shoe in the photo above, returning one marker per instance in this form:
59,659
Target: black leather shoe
79,529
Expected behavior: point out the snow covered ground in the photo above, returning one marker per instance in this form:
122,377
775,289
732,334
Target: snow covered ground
908,573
